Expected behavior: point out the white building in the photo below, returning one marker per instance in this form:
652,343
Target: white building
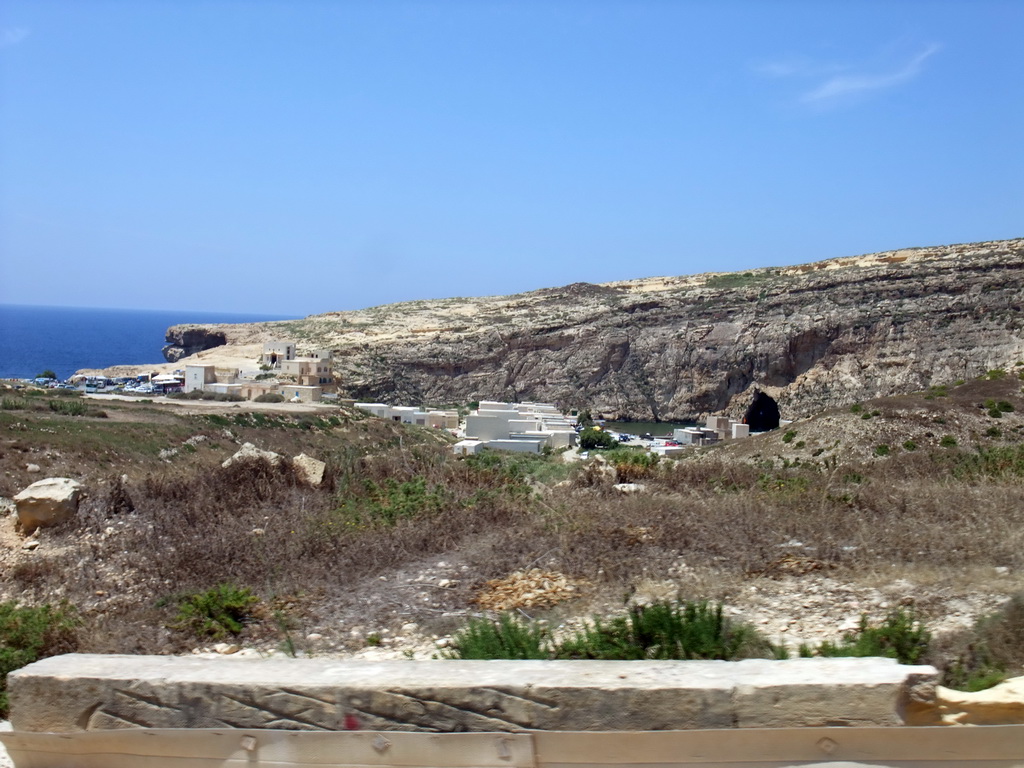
198,376
276,352
405,414
468,447
297,393
520,426
526,427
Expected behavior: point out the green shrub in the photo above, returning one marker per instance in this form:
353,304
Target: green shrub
994,650
195,394
993,432
666,630
881,450
901,636
218,612
632,465
387,503
909,445
995,374
948,441
788,437
503,638
68,407
663,630
995,461
28,634
592,438
270,397
856,408
782,482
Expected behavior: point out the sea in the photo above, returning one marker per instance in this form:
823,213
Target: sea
66,339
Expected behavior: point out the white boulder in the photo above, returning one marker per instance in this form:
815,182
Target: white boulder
249,452
628,488
311,470
48,502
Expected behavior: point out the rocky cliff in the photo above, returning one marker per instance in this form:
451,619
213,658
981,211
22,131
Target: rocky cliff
185,340
813,336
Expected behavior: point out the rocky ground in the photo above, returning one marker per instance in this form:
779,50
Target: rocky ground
792,611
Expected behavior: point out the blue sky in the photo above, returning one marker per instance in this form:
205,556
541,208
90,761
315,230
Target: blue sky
302,157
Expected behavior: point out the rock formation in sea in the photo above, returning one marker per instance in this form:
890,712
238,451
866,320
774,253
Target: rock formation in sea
185,340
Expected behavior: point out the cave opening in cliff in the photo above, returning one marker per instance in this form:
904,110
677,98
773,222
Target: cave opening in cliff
762,413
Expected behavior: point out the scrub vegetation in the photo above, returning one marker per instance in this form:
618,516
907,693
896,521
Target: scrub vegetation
171,549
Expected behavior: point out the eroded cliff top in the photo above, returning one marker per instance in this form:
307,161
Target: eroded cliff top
812,335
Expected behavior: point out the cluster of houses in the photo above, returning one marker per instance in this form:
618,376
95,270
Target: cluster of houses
715,429
308,376
532,427
525,427
437,419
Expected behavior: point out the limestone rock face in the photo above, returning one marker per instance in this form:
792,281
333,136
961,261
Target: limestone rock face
185,340
48,502
812,336
249,452
1002,704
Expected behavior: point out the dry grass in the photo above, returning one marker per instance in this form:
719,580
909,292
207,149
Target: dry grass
395,496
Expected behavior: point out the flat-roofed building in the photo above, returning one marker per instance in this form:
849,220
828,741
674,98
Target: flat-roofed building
224,389
468,447
198,376
276,352
297,393
308,371
380,410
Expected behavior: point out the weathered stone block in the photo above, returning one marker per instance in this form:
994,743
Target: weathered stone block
48,502
92,692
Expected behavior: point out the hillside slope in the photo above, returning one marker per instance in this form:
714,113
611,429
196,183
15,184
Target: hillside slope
815,336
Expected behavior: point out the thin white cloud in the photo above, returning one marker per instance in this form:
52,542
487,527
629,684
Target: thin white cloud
825,83
797,66
843,85
12,36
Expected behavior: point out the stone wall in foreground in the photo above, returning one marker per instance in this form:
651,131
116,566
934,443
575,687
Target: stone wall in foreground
81,692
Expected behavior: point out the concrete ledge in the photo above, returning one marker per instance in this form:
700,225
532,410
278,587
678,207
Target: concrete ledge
81,692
